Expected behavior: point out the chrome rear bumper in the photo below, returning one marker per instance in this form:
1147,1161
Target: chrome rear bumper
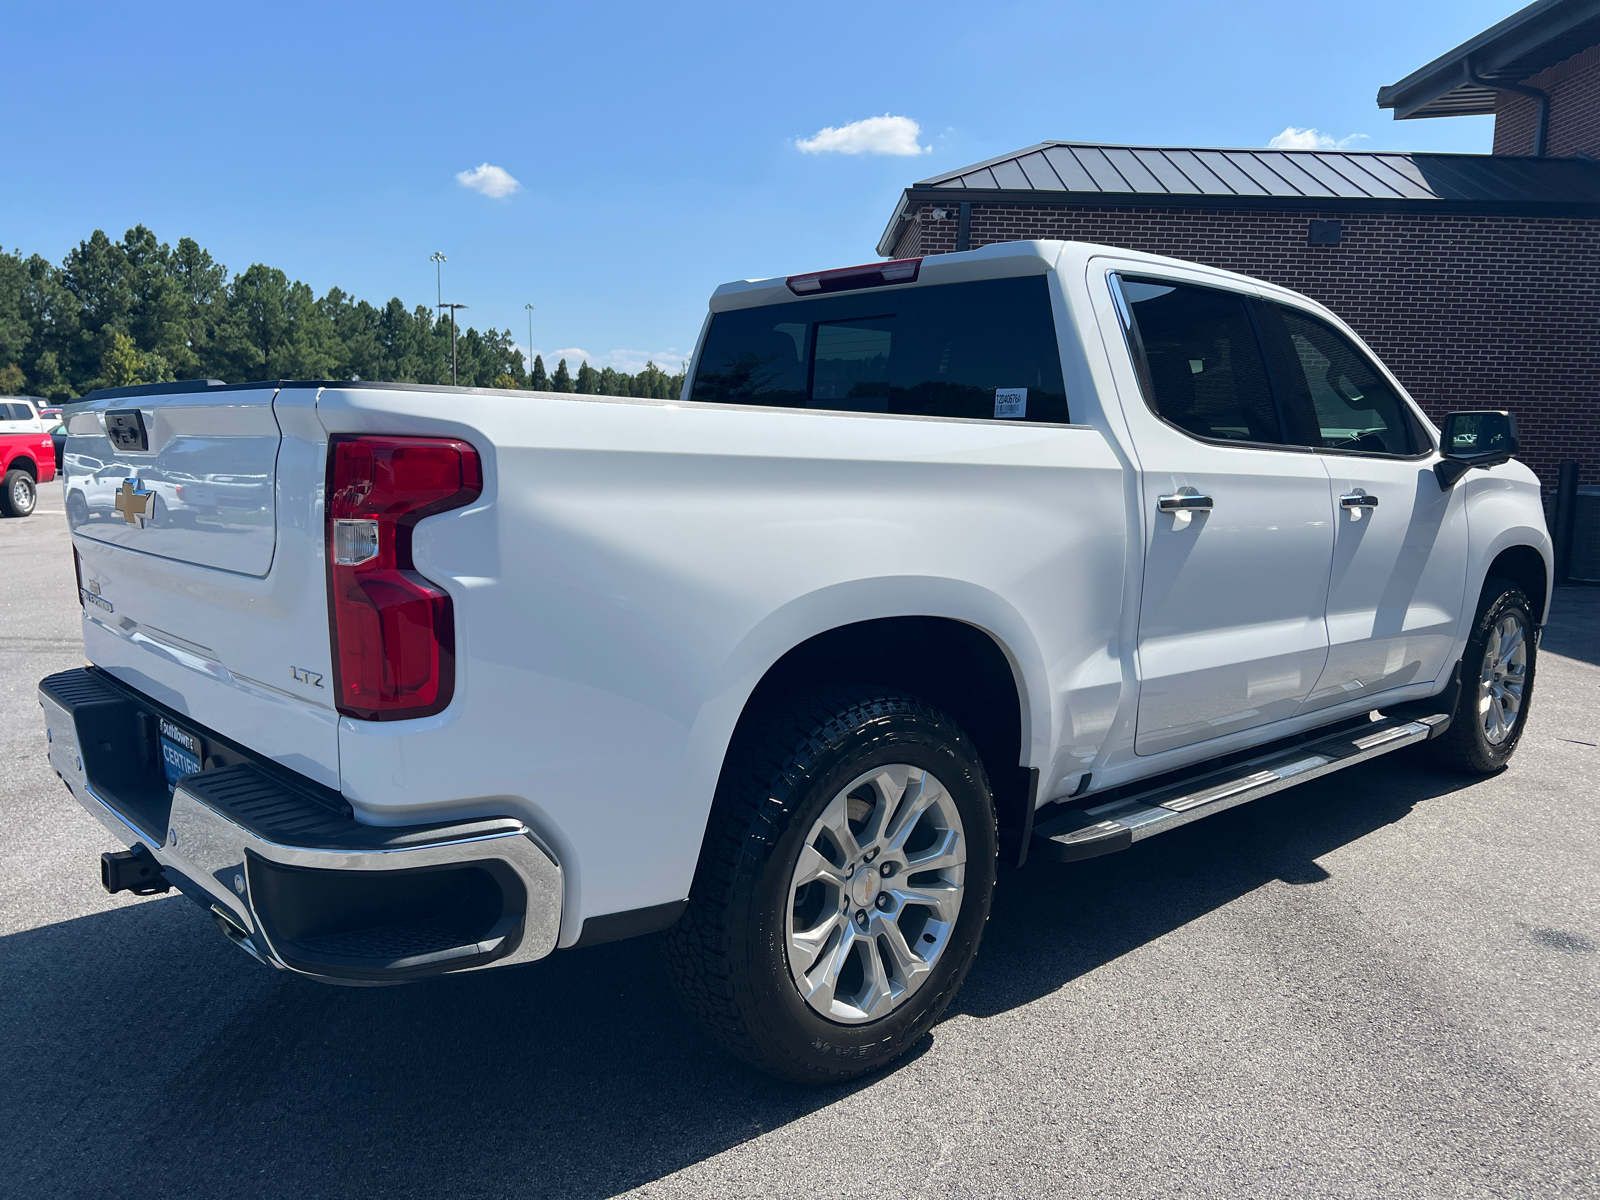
288,876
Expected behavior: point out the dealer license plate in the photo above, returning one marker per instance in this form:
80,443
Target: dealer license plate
180,753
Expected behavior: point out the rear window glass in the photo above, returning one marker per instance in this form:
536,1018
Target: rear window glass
19,412
982,350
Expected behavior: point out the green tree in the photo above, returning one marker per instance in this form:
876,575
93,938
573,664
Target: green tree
121,365
16,331
588,381
275,329
139,310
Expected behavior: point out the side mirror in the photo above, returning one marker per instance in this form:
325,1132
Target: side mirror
1475,439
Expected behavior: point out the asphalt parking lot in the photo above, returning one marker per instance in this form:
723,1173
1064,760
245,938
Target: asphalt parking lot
1385,983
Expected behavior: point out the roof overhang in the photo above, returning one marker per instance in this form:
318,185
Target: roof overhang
1525,43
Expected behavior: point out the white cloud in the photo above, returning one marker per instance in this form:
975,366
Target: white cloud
495,182
875,135
1311,139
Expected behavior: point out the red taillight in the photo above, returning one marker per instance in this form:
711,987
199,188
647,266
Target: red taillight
848,279
393,630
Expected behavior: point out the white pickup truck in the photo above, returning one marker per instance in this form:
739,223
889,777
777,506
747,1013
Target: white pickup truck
1029,552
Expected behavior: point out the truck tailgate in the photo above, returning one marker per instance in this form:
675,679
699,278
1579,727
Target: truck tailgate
201,561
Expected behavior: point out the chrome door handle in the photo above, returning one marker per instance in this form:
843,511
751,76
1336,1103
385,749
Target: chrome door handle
1358,500
1177,502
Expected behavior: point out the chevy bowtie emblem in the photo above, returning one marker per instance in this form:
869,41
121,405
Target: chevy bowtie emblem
134,502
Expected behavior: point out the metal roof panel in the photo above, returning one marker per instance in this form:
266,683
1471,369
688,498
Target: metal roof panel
1333,183
1040,174
1403,166
1204,179
1105,176
1010,176
1164,169
1375,188
1131,169
1374,165
1259,166
1070,169
1288,167
1233,179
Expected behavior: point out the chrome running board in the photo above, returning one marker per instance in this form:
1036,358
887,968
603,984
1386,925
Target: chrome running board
1118,824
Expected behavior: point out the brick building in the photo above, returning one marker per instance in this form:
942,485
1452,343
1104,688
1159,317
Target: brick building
1475,277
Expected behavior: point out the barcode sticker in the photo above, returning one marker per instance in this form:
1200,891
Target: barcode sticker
1010,402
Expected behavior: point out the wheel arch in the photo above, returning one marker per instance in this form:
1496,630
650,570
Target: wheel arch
967,652
22,462
1526,567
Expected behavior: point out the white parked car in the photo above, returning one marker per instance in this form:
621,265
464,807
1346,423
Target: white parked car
1028,552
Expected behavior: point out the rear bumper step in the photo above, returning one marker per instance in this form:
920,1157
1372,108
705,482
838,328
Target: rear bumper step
285,870
1118,824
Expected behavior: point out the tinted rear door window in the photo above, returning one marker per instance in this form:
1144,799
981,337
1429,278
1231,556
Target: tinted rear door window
1202,368
973,350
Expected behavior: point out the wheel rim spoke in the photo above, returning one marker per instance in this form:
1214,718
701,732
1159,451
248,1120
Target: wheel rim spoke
927,792
907,964
891,783
948,851
835,821
1510,644
824,981
877,995
813,866
944,901
809,944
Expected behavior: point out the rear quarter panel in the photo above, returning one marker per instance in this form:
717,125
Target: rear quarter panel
633,568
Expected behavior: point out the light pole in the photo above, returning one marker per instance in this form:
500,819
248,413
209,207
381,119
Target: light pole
452,308
529,307
438,285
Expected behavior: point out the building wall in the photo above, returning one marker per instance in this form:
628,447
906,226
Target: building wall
1468,311
1574,88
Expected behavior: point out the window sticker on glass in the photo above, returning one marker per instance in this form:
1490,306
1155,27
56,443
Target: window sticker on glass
1011,402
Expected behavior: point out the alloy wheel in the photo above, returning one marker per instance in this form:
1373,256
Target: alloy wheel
875,894
1503,678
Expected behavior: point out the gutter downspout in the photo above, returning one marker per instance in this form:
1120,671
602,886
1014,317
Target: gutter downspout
1541,121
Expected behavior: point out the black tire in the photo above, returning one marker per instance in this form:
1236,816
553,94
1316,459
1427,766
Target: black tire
77,509
728,955
1467,746
18,494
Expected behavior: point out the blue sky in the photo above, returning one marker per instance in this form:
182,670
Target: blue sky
656,148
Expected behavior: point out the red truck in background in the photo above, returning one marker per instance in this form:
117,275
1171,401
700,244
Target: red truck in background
27,455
